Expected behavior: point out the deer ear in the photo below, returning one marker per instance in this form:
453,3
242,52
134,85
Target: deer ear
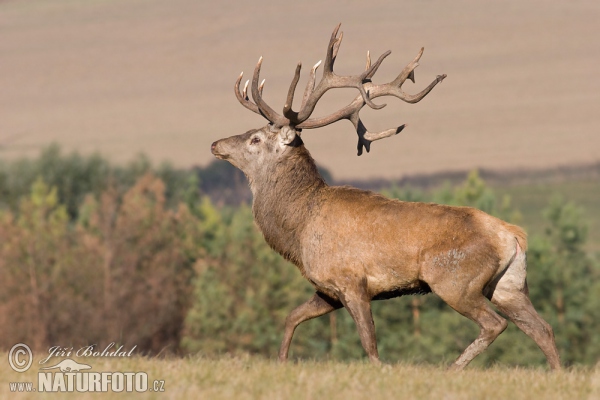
286,135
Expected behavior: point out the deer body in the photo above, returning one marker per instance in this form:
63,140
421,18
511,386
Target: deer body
356,246
398,246
395,246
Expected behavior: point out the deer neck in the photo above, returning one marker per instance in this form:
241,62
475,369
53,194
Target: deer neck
284,196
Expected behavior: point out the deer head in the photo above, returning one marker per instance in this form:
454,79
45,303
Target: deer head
253,150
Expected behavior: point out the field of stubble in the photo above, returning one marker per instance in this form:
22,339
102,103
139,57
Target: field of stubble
256,378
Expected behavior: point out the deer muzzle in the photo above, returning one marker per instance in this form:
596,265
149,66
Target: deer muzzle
215,149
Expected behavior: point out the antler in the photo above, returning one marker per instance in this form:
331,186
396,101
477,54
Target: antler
394,88
330,80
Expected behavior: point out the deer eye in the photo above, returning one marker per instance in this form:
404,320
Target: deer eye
255,140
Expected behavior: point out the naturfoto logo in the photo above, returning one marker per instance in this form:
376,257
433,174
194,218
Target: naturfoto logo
72,376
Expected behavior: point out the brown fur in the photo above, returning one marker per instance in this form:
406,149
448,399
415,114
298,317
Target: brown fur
356,246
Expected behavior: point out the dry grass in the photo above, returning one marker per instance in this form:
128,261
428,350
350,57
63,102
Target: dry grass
255,378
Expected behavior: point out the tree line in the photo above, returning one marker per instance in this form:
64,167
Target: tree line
93,253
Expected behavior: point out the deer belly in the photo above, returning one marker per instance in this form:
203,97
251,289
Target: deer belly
385,282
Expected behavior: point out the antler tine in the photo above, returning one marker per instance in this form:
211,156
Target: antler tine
242,97
331,49
408,71
245,91
263,107
336,48
310,85
365,138
415,98
287,107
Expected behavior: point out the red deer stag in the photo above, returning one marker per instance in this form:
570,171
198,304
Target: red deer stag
355,246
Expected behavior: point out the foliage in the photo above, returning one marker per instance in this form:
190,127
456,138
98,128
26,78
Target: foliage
566,279
120,273
75,176
94,253
225,184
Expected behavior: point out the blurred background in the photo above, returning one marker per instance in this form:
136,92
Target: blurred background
117,224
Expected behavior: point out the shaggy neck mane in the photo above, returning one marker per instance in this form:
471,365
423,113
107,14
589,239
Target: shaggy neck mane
284,197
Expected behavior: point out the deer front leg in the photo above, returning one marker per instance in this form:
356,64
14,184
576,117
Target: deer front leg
359,306
318,305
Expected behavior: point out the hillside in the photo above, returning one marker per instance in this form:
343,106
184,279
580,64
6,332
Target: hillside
122,77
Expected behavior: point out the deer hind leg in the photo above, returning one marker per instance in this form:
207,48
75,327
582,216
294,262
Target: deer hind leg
318,305
518,308
510,294
463,292
490,324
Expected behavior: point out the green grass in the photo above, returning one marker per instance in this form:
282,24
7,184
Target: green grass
531,199
256,378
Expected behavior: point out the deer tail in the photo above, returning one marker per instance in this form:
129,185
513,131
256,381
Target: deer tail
519,234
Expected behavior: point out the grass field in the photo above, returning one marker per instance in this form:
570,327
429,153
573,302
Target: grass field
255,378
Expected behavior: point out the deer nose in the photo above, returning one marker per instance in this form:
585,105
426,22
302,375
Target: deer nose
212,147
